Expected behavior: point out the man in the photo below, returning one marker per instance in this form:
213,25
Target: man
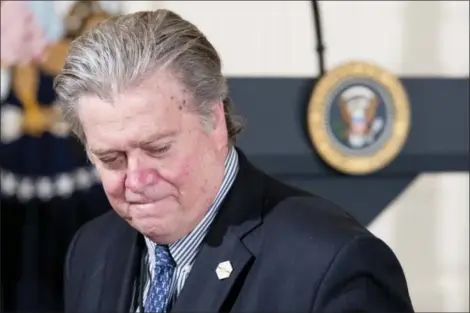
195,227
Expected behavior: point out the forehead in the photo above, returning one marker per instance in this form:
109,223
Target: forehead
153,107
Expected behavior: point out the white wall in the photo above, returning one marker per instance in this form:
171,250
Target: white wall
428,228
428,225
277,37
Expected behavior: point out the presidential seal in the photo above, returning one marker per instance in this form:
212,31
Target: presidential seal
358,118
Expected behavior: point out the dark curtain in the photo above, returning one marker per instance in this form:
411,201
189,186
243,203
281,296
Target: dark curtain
35,237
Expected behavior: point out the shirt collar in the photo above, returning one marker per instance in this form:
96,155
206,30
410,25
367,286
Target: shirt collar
185,249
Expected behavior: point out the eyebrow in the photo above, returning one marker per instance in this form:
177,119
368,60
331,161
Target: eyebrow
102,152
156,137
146,142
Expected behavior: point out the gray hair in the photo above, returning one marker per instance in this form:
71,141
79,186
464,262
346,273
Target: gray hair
125,50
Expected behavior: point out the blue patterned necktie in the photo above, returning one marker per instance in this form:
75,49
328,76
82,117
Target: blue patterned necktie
158,295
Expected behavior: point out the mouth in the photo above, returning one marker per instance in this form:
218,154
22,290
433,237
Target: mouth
149,209
144,200
146,203
140,199
139,202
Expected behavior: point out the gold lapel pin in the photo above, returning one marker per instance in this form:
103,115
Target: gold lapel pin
224,270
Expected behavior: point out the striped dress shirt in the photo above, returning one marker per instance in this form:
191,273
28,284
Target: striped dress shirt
184,250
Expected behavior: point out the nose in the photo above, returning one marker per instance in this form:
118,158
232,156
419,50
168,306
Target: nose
139,179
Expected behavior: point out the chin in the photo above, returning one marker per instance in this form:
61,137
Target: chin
146,224
160,232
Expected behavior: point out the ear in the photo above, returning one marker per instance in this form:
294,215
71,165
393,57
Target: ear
220,131
218,114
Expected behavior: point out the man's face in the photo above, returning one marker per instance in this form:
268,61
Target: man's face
159,166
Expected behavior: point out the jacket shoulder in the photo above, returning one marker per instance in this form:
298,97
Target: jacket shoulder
320,247
98,230
84,254
308,218
91,239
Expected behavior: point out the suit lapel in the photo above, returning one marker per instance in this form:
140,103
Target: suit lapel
226,241
203,291
122,260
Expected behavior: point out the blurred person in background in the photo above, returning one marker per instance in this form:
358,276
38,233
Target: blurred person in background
195,226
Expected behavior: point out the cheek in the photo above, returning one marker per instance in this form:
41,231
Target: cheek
186,170
176,172
113,183
190,172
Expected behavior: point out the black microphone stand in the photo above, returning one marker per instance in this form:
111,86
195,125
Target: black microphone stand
320,48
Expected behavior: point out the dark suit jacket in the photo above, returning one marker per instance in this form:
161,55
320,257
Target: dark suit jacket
290,252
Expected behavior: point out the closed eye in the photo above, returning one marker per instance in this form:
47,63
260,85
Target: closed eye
159,150
113,161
